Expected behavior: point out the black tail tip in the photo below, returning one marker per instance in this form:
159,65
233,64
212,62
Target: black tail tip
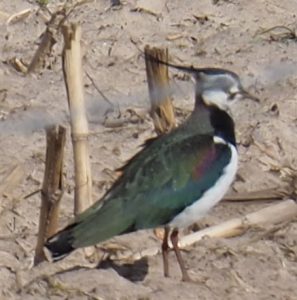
58,247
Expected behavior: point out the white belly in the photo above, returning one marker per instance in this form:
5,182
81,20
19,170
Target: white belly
211,197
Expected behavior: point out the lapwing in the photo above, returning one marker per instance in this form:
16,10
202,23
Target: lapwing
174,180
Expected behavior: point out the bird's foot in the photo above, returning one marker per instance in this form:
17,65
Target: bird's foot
187,278
194,278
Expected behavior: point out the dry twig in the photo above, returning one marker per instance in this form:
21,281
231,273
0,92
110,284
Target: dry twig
19,16
284,33
146,11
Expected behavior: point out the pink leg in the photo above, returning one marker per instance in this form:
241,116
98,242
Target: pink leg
165,250
174,240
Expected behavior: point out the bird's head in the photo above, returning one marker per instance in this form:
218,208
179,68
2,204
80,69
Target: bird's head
219,87
214,86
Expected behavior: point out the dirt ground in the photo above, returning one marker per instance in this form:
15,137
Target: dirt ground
262,263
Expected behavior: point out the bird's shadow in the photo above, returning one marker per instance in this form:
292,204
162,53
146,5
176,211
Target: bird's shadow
134,271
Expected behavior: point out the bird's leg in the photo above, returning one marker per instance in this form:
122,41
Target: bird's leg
165,250
174,240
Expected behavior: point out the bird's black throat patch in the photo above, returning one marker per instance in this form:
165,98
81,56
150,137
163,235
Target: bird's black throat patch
223,125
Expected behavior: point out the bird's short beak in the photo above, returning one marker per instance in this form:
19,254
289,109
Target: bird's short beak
247,95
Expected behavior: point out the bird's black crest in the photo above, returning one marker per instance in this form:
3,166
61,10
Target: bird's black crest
192,69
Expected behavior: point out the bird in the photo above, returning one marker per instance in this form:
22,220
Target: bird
174,180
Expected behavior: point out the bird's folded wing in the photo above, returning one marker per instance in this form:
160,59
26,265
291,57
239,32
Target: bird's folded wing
174,179
156,185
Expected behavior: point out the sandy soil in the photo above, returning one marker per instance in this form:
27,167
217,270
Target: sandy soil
262,264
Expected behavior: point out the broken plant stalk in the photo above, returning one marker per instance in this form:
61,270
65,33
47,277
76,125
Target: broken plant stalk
162,111
52,189
48,40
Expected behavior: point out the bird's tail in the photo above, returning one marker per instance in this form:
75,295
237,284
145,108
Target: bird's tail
93,226
90,228
61,244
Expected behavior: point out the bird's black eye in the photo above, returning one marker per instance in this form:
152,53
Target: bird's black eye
232,96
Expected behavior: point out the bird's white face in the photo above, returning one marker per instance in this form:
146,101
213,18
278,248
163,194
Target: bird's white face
221,98
220,90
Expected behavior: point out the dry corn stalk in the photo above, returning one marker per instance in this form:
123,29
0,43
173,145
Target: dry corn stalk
72,67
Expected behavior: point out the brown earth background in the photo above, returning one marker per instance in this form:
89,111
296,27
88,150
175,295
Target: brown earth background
262,263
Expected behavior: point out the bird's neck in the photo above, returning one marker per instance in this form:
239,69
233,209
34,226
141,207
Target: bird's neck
210,119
